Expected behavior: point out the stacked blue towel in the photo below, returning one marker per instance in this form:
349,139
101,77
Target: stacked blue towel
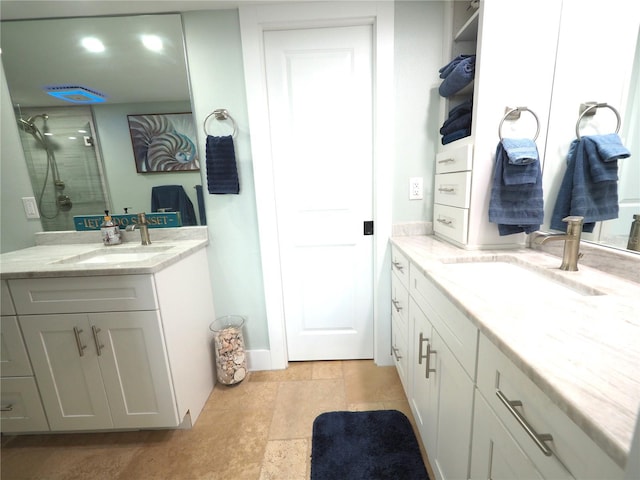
222,172
457,74
173,198
589,187
516,203
458,122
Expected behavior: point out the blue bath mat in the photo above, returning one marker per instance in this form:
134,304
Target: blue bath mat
376,445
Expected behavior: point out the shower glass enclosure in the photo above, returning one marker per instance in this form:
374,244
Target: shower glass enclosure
64,163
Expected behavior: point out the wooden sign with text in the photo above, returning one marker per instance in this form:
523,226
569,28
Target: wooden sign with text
155,220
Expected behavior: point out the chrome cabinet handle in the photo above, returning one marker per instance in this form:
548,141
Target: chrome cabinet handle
447,160
538,438
428,368
446,189
6,408
77,331
398,265
96,340
420,342
396,304
395,353
444,221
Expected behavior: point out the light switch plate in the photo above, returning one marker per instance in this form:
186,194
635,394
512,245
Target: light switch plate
30,207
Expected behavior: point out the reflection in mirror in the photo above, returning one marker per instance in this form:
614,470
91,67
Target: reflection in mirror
601,66
77,141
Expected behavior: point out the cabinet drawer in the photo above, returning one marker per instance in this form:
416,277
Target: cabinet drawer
455,159
456,330
6,307
570,446
14,361
399,300
400,266
400,347
84,294
21,407
451,222
453,189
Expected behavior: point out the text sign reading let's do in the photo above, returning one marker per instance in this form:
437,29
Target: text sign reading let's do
155,220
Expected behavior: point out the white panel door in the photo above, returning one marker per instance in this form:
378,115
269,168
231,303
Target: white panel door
63,354
320,110
135,369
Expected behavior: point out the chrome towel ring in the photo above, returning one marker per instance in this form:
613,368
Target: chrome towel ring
220,114
589,109
514,114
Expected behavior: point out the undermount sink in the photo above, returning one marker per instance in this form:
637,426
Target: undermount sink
115,255
510,278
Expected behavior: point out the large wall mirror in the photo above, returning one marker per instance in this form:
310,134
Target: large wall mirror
78,142
597,61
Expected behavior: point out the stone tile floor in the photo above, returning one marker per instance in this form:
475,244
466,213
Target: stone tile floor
259,429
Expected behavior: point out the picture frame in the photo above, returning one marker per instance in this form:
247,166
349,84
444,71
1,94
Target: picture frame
164,142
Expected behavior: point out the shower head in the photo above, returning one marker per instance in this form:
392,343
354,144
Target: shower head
30,127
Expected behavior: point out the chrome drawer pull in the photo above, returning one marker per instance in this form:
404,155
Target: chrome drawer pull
428,368
420,342
6,408
447,160
398,265
538,438
396,304
96,340
77,331
446,189
444,221
395,353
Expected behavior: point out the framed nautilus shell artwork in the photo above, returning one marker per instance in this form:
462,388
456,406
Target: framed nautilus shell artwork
164,142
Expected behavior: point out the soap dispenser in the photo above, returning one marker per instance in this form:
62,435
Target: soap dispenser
110,231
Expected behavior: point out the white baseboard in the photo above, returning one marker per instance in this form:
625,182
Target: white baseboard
258,360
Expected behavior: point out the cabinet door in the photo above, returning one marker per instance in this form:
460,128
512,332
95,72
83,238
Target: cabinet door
455,410
14,361
135,368
67,372
495,454
424,399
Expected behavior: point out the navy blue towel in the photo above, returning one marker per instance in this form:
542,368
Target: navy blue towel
201,211
173,198
456,135
222,171
451,125
516,203
589,187
461,76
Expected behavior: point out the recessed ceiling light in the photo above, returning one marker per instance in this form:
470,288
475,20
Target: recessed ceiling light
93,45
152,42
82,131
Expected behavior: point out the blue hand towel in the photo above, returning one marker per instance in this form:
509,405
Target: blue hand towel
589,187
461,76
448,68
516,204
521,151
175,199
460,109
222,171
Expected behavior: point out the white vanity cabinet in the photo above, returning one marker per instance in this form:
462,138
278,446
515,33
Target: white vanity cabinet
120,351
520,433
20,406
400,314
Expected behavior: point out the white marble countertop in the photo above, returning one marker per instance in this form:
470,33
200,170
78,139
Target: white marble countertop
583,351
50,257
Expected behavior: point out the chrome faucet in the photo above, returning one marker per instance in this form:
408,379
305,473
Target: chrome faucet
143,226
571,252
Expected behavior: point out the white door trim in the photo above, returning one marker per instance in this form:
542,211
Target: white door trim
254,20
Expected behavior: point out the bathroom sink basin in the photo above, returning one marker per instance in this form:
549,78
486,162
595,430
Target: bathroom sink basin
116,255
517,280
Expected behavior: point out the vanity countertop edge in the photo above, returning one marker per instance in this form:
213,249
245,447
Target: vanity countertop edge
568,348
48,258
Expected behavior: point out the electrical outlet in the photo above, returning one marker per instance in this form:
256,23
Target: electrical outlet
415,188
30,207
